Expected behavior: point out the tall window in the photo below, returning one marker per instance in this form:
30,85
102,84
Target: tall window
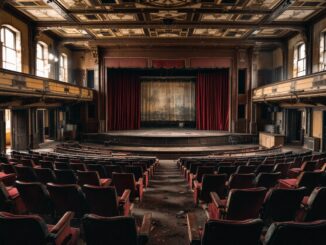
63,68
299,66
11,48
42,60
322,53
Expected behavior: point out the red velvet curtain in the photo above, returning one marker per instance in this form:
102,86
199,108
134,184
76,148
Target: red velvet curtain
212,100
123,100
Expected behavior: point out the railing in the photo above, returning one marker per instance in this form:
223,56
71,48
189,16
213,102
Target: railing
21,84
307,86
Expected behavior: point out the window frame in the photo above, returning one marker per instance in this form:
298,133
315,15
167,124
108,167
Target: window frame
16,49
63,67
42,63
301,61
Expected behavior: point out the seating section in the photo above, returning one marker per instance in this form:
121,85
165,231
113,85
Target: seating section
67,188
244,196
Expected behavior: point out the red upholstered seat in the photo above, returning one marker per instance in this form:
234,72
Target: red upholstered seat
241,204
224,232
210,183
314,205
91,178
126,181
104,201
7,179
241,181
116,230
312,233
31,229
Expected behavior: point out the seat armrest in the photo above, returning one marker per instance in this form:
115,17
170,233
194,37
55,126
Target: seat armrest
62,225
193,229
125,196
140,181
146,225
216,200
197,184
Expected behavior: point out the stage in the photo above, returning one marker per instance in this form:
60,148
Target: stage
171,141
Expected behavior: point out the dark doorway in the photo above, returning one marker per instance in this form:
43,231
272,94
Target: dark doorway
294,125
40,126
20,130
324,132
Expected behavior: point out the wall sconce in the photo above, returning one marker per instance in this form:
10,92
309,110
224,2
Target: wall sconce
52,57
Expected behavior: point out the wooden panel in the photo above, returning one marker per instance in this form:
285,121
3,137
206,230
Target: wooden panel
168,64
16,83
126,62
219,62
317,124
270,140
307,86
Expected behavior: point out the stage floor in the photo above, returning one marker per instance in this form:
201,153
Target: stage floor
169,132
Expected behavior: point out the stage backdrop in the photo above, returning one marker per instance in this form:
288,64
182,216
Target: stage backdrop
168,100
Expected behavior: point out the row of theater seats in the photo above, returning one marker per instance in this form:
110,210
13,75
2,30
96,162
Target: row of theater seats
63,189
244,198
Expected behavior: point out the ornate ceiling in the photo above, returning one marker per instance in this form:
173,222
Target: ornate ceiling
93,20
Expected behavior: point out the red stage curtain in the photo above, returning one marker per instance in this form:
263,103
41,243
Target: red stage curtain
123,100
212,100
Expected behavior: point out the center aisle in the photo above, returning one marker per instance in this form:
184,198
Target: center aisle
167,197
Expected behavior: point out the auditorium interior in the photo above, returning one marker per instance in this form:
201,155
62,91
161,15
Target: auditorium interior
162,122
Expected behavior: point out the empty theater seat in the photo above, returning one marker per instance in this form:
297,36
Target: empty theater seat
116,230
31,229
224,232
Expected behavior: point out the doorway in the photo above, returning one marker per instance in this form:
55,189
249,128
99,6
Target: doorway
294,126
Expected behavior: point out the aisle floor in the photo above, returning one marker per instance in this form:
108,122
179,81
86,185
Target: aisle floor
167,195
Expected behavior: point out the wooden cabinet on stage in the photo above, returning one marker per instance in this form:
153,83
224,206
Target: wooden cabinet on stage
270,140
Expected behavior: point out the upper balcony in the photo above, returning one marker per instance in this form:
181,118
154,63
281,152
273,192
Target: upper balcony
21,84
300,87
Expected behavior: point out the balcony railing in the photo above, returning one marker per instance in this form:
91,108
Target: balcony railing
21,84
307,86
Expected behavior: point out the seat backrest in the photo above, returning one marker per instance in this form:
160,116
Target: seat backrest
35,197
193,167
99,168
212,183
136,170
67,198
283,168
22,229
309,166
47,164
5,202
88,177
8,168
316,205
45,175
310,180
241,181
102,200
226,232
312,233
112,168
267,180
244,169
25,173
202,170
264,168
109,230
228,170
65,176
282,204
245,203
78,166
124,181
62,165
27,162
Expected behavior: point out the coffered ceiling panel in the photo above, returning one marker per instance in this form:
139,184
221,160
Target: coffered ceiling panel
243,20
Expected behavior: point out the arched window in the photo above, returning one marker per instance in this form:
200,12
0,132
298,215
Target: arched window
42,60
322,51
63,62
299,60
11,48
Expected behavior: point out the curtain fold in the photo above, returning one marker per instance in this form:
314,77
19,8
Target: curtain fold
212,100
123,100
